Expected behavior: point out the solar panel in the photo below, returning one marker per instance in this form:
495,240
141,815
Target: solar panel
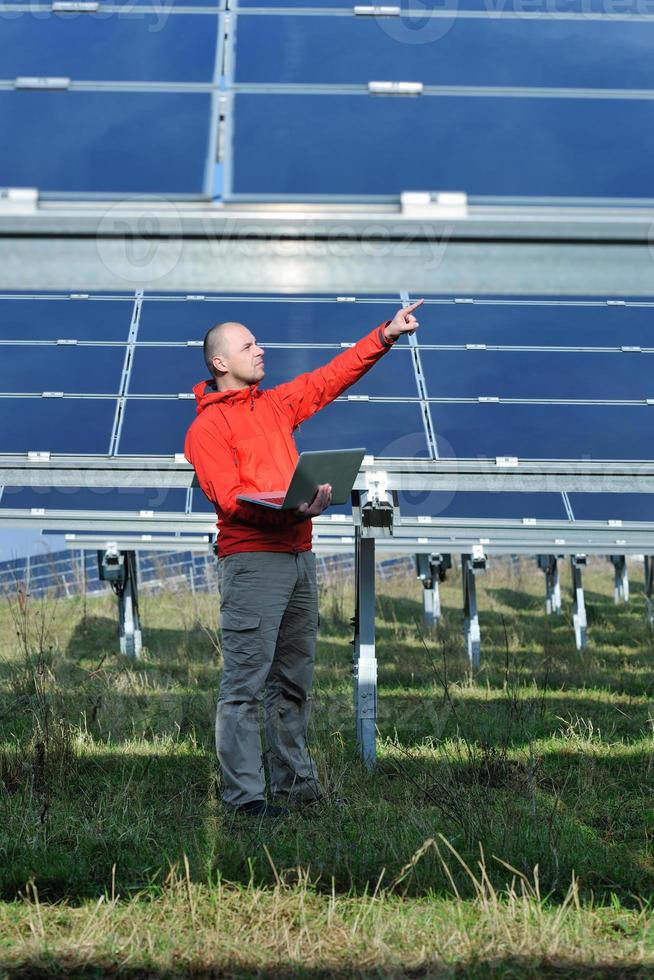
488,146
183,48
57,425
612,506
451,7
78,347
539,374
174,370
469,52
489,506
107,142
537,321
124,101
384,428
318,320
544,432
99,498
156,427
72,369
157,11
42,319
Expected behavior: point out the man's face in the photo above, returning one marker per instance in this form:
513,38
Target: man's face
242,358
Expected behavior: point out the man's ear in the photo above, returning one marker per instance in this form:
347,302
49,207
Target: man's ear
219,365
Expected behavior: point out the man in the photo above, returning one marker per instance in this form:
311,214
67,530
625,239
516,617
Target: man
242,442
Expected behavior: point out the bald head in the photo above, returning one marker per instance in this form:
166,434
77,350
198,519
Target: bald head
217,341
233,356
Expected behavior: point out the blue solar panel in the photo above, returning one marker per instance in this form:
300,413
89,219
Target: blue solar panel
97,498
544,431
385,429
612,506
154,427
56,425
470,52
510,374
173,370
119,48
527,323
65,319
69,369
156,15
485,146
487,506
422,25
295,322
106,142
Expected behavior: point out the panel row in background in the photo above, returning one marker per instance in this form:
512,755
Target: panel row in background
491,146
459,505
492,49
439,8
151,426
446,321
112,97
136,46
527,375
468,349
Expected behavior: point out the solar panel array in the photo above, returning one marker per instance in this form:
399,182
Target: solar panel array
317,102
482,377
496,101
110,100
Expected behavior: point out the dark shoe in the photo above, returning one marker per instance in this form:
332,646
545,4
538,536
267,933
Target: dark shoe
260,808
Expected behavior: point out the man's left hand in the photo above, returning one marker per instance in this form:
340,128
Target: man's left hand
403,322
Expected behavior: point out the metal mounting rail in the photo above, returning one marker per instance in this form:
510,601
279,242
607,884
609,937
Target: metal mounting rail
441,535
503,474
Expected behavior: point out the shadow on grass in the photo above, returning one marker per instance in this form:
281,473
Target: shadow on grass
68,821
94,636
477,969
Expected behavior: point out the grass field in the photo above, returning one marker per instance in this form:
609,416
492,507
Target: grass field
507,830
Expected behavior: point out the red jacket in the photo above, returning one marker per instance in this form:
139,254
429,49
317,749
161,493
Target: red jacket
242,442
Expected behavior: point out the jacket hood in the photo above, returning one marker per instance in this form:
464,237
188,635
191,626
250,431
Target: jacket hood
206,394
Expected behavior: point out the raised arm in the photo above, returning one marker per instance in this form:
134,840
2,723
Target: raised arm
308,393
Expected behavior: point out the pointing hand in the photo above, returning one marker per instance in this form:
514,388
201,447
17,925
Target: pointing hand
403,322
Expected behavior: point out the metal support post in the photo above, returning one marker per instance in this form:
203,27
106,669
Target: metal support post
432,570
550,566
649,588
365,660
375,511
620,578
577,562
119,568
471,566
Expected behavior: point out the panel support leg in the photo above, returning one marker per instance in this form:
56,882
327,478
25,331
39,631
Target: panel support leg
550,567
471,566
649,588
432,570
620,578
365,660
119,569
577,562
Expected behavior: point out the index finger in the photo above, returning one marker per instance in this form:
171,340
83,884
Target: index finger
413,306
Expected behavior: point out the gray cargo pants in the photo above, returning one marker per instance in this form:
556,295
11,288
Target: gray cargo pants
269,622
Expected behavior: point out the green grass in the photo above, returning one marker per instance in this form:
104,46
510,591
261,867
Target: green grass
506,830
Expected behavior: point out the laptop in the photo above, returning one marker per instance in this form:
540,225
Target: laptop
338,467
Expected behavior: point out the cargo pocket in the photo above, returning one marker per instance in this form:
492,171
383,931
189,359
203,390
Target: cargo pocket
239,622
